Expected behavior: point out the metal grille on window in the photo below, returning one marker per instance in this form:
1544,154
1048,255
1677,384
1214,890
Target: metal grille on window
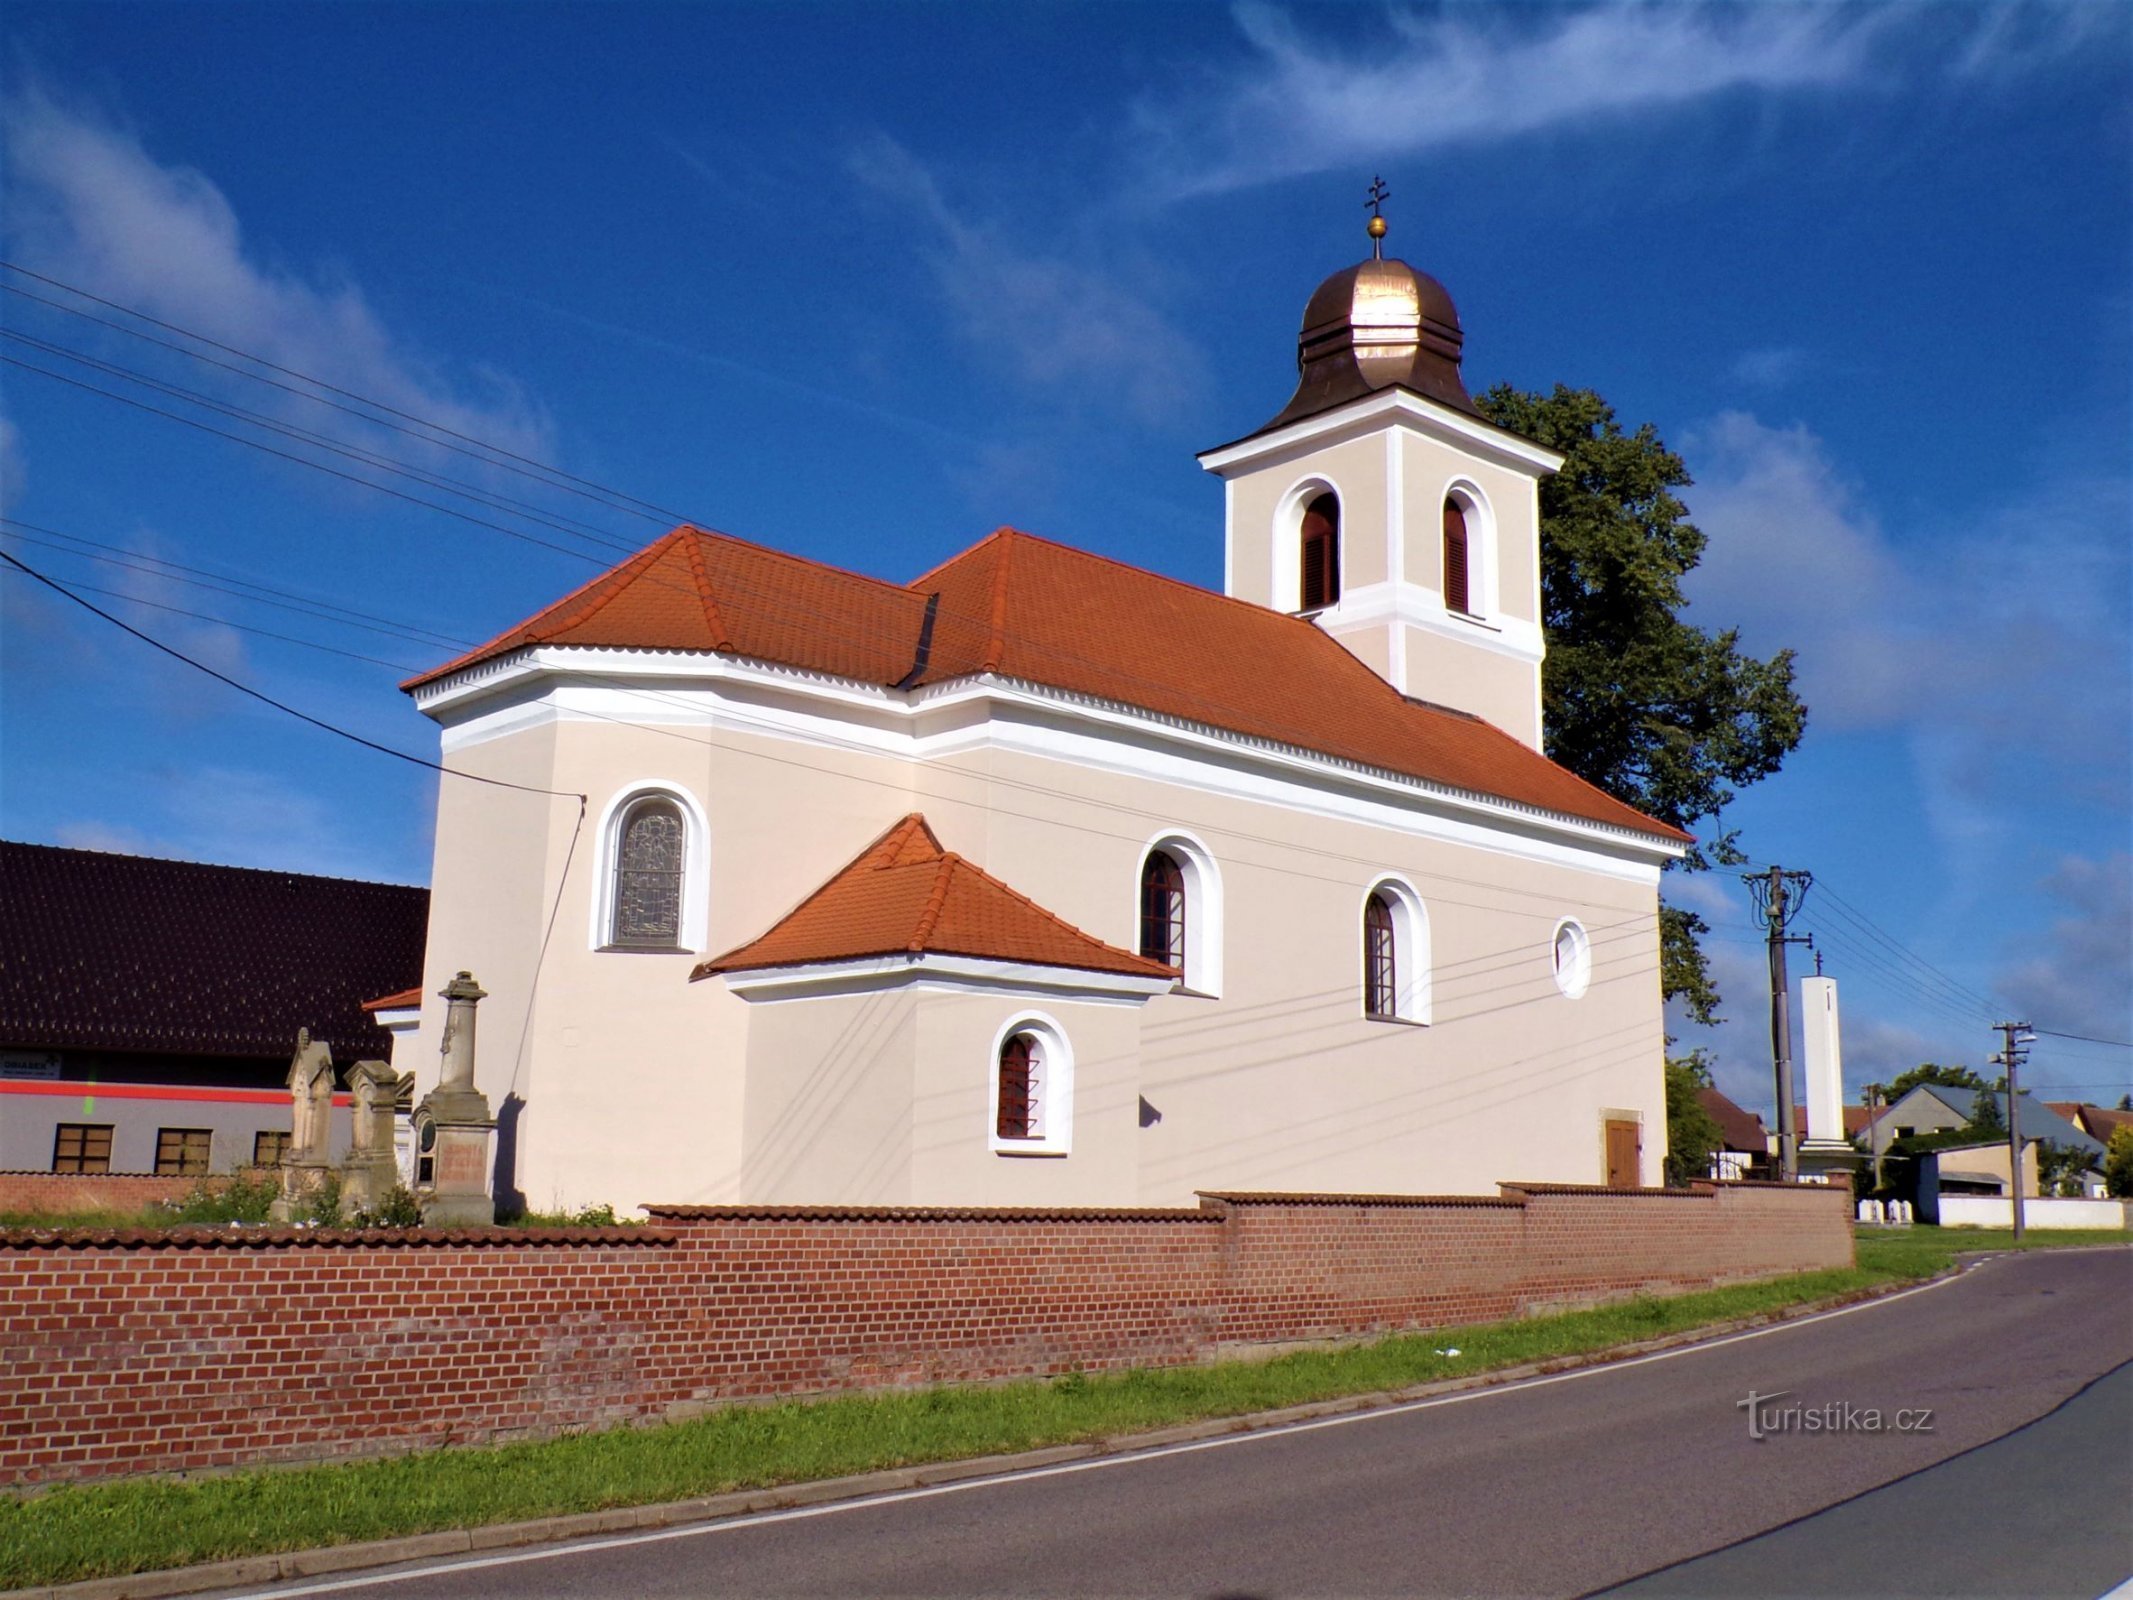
1455,558
1163,911
1020,1092
268,1147
1321,553
1380,997
648,863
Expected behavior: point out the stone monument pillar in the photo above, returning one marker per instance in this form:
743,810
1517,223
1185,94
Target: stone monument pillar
453,1125
305,1163
1827,1148
369,1170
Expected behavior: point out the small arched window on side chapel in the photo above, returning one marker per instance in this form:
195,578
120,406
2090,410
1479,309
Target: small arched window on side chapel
1020,1098
1457,595
651,849
1163,910
1321,537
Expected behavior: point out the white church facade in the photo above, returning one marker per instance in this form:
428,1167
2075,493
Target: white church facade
1043,880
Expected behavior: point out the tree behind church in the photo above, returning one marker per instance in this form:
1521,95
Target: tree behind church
1651,708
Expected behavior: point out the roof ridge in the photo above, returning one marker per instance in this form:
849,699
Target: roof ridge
996,642
643,561
705,593
791,559
207,866
936,899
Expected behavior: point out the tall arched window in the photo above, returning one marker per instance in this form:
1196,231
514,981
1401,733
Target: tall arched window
1381,993
1456,586
651,849
1163,910
1321,536
1021,1089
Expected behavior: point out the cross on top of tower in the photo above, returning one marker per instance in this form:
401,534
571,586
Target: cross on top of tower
1379,194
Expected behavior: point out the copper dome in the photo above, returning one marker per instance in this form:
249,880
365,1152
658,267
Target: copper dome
1372,326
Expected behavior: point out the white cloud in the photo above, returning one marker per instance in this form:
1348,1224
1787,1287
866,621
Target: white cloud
89,205
2081,979
1300,105
1066,328
2008,631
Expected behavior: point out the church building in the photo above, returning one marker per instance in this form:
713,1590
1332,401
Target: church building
1042,880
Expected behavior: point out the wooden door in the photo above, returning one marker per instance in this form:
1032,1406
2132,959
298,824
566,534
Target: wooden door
1625,1155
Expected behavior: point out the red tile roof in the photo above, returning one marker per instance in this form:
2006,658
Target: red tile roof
1740,1130
905,895
405,999
128,953
1027,608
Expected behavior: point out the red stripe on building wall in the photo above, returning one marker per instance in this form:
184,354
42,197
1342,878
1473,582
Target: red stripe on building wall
151,1091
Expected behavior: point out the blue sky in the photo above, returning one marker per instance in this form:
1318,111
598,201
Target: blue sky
865,282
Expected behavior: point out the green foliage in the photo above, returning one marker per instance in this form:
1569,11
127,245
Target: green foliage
1651,708
600,1216
2059,1168
1692,1133
1682,970
1987,1120
239,1199
322,1207
1933,1072
396,1208
2118,1164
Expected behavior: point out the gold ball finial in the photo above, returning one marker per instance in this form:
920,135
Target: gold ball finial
1377,227
1379,194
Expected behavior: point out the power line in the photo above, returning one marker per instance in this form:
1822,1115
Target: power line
2116,1044
267,699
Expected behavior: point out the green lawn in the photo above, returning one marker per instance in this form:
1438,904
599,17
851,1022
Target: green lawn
69,1533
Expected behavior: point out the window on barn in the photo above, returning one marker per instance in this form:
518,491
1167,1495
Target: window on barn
82,1147
183,1152
268,1147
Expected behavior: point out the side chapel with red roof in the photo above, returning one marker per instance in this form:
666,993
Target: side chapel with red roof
1044,880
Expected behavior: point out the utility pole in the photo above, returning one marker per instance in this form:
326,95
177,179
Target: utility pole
1874,1129
2018,1039
1777,901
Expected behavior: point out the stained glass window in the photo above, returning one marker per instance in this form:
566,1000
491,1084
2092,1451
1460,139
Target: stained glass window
648,865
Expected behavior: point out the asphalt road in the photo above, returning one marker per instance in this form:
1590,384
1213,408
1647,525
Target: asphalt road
1562,1486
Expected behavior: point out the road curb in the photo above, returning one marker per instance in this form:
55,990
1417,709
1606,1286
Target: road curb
250,1571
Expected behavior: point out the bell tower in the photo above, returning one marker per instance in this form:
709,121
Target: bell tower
1382,505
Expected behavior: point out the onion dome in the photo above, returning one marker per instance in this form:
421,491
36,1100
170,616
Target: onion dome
1377,325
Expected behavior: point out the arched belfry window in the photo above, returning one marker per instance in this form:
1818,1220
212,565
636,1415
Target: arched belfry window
651,851
1163,910
1457,560
1321,538
1381,994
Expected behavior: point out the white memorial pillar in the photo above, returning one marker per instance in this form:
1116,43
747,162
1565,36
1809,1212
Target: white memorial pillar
1822,1055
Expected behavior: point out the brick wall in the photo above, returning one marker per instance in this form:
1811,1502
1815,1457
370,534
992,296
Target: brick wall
58,1193
198,1349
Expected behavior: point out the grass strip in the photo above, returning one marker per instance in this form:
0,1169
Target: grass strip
138,1525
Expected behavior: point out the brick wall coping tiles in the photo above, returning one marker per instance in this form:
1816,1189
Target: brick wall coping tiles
208,1237
1701,1191
1269,1198
834,1213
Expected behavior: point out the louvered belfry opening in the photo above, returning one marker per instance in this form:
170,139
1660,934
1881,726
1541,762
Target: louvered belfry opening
648,869
1380,998
1321,536
1163,910
1019,1059
1455,557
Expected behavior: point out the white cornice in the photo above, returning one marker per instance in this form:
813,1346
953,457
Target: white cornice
939,721
871,974
1418,606
1387,407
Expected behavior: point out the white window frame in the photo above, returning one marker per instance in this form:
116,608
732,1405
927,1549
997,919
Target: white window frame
1203,908
1482,598
1574,975
1052,1099
1287,550
695,869
1412,988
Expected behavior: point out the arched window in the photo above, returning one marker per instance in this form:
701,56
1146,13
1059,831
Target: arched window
1396,971
1572,954
1163,910
1021,1090
1321,537
651,850
1457,589
1381,995
1032,1089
